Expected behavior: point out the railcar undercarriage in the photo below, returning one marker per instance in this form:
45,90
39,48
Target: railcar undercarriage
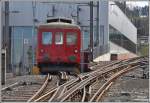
55,68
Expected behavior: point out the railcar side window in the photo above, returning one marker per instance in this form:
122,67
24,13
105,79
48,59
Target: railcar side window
47,38
58,38
71,38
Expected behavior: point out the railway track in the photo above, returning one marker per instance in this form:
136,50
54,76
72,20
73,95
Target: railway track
20,91
44,93
58,91
82,85
98,95
80,91
23,91
41,90
90,86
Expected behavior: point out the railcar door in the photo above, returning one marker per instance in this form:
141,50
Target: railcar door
59,47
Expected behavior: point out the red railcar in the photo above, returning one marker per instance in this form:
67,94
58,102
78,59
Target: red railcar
58,44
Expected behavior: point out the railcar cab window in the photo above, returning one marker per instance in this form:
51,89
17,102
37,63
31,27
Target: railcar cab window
58,38
71,38
47,38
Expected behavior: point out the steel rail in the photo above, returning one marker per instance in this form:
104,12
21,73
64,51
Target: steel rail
109,69
61,93
112,79
10,86
120,62
84,95
46,96
40,90
58,91
76,87
61,89
87,81
104,66
108,83
101,94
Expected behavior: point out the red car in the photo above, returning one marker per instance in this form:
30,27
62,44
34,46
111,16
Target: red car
58,44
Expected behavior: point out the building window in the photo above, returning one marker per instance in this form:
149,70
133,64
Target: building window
96,37
58,38
121,40
47,38
102,34
22,39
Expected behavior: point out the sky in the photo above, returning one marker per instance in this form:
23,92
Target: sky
137,3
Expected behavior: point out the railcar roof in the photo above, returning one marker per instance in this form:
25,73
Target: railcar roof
59,25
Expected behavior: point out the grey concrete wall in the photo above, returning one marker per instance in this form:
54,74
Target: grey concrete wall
0,26
0,39
116,49
104,20
119,20
22,15
25,15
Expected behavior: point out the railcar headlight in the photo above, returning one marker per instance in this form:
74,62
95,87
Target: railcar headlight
76,51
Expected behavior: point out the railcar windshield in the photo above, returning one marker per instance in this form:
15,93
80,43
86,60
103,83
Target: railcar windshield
71,38
47,38
58,38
